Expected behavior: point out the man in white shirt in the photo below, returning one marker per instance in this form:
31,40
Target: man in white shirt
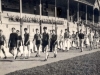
90,36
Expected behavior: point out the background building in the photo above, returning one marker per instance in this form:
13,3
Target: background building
67,14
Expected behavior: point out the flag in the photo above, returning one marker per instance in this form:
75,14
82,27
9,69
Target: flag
96,4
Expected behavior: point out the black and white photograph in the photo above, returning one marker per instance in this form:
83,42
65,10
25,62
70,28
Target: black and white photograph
49,37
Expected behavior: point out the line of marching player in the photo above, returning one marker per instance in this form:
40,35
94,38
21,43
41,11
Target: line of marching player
51,42
16,41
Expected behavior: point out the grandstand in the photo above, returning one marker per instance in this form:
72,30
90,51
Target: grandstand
80,11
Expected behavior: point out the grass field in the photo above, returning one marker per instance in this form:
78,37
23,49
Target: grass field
83,65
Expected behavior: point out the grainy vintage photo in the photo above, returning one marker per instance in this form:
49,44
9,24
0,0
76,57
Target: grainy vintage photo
49,37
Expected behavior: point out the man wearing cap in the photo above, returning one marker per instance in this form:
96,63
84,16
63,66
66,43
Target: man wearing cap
26,43
13,43
45,42
2,41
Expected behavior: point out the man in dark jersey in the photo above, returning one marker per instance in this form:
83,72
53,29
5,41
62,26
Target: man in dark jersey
26,43
13,43
81,39
45,42
2,41
20,43
54,43
37,39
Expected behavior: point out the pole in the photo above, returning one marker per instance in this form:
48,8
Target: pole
55,17
0,12
68,15
93,15
86,14
86,18
99,17
78,16
21,17
78,12
40,17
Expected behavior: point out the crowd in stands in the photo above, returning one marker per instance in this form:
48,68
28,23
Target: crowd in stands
25,18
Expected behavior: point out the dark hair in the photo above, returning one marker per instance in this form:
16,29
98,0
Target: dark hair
53,30
0,30
44,27
80,29
37,29
25,28
17,30
13,28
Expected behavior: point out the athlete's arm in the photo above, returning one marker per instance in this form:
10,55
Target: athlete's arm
5,41
17,40
28,39
9,40
34,37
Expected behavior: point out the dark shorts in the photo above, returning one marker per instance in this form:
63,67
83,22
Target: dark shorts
54,44
11,49
13,45
18,49
38,42
1,42
26,44
45,43
19,44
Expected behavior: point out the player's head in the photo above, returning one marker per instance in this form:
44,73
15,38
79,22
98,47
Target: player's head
17,31
13,29
1,32
84,32
96,32
76,33
53,31
65,30
81,31
45,29
25,30
50,31
73,32
37,30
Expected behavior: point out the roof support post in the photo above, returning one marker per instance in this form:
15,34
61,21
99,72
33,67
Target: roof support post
93,15
68,15
21,17
55,16
40,23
